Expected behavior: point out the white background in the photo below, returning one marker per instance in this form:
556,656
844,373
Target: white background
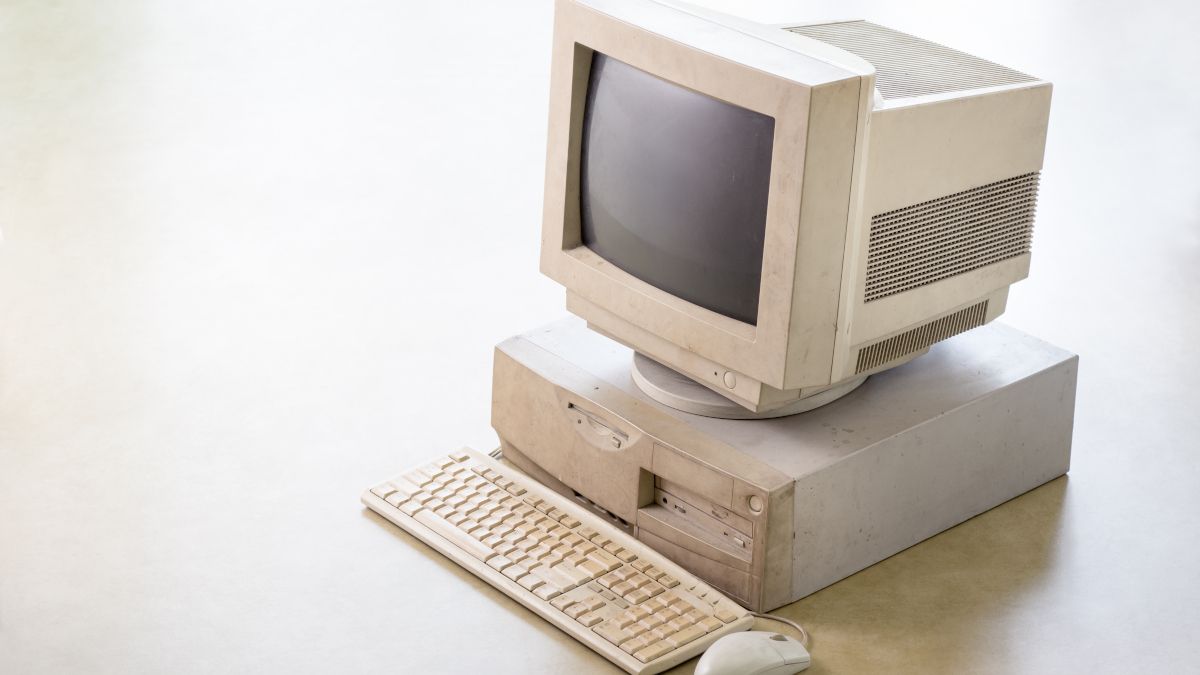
257,255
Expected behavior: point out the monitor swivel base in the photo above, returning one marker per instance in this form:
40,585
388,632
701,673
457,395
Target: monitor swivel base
680,392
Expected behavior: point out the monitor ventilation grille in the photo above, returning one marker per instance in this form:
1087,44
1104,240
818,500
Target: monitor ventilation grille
934,240
907,66
921,337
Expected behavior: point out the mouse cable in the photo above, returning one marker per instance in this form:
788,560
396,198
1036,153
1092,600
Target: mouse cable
793,624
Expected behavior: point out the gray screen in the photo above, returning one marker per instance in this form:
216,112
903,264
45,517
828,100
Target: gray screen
673,187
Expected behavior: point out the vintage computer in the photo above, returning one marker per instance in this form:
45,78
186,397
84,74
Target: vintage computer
752,221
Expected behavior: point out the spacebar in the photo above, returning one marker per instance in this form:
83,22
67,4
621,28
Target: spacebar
454,535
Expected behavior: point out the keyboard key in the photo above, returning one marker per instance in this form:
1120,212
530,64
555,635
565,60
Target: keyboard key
685,636
459,456
530,581
561,603
622,587
382,491
677,624
594,567
725,615
651,622
637,597
658,604
624,573
573,573
638,580
611,630
498,563
423,498
589,620
453,534
556,579
636,644
411,508
651,652
668,581
576,610
678,602
610,563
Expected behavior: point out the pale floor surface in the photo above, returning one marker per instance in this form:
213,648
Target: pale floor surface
257,255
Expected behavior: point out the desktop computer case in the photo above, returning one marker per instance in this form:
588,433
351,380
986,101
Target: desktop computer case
770,511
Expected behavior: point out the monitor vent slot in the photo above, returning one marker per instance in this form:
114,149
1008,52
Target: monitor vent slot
907,66
941,238
921,337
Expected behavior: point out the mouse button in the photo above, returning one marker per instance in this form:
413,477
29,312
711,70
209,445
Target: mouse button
790,650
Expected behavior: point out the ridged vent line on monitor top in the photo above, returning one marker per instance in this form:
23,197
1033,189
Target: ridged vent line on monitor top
921,337
941,238
907,66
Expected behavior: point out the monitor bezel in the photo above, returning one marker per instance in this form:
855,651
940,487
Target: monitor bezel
805,233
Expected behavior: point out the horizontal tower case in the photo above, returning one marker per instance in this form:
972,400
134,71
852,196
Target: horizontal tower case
770,511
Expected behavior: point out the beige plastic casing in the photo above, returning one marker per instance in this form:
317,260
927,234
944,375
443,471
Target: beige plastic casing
770,511
543,608
838,158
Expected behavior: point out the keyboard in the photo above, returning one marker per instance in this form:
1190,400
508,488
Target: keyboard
603,587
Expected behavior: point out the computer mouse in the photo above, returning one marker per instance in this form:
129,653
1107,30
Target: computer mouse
754,653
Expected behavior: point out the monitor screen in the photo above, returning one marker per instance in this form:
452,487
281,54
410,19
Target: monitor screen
673,187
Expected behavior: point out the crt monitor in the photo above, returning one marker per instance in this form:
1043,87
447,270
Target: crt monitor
776,213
